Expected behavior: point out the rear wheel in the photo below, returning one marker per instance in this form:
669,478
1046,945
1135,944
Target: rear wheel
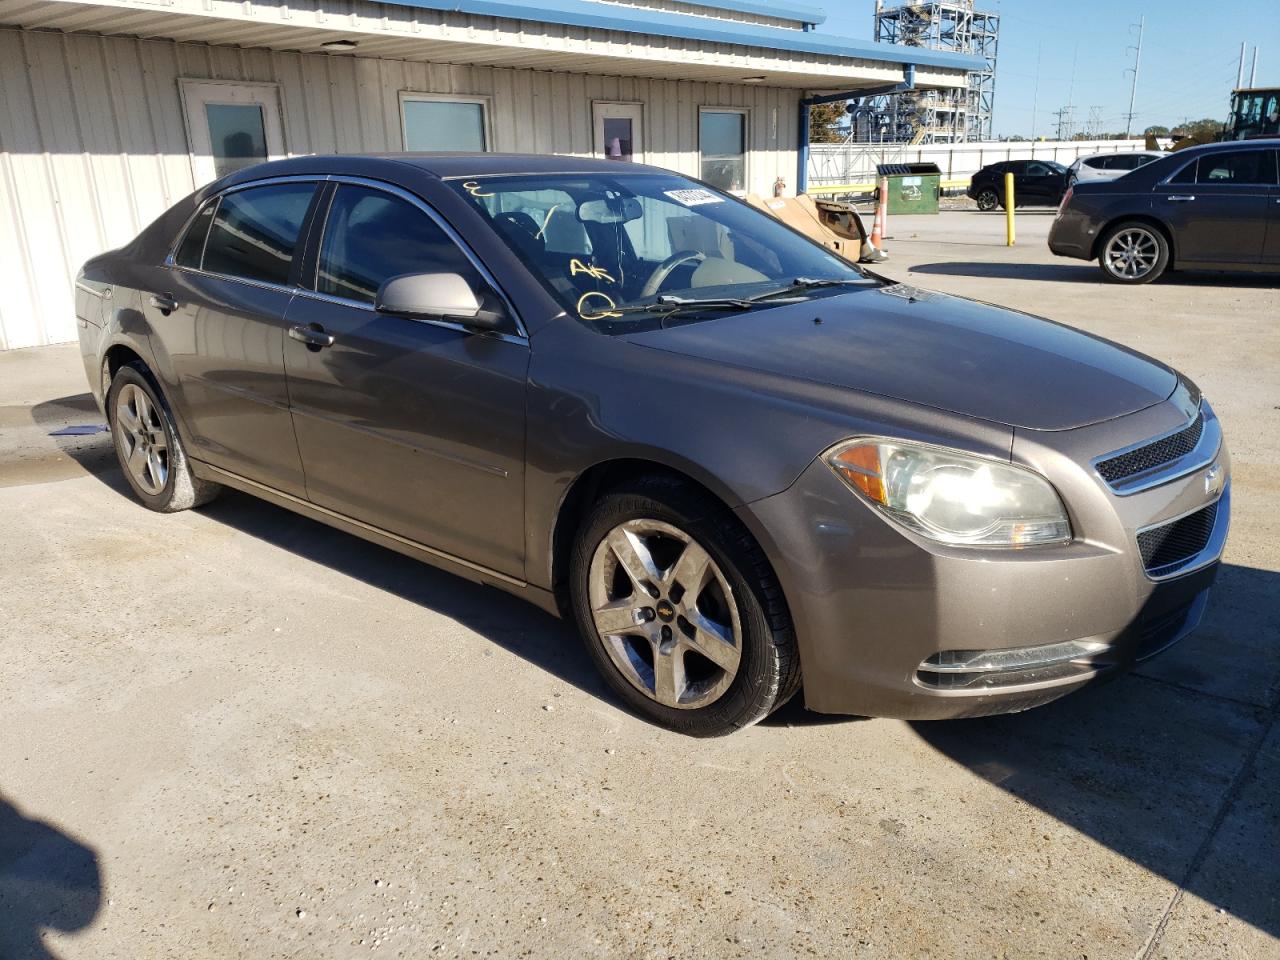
1133,253
680,609
988,199
148,446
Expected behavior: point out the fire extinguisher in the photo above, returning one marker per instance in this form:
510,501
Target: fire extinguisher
779,187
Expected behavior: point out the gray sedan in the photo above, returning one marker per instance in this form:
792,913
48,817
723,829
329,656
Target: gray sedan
740,464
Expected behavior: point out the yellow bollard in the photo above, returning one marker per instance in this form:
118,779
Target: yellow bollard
1008,207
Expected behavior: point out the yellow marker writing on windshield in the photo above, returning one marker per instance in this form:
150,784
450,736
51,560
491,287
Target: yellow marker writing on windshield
600,313
576,267
473,188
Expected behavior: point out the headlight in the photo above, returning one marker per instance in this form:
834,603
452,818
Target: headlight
953,497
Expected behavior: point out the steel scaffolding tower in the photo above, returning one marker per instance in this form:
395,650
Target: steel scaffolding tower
935,116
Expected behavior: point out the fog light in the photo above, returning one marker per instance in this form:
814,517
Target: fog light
1015,666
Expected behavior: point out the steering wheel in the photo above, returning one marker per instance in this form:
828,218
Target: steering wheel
663,270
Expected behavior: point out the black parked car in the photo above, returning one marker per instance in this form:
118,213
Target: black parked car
1036,183
1215,207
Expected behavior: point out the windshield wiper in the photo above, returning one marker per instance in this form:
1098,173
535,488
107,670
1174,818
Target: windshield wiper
807,283
667,305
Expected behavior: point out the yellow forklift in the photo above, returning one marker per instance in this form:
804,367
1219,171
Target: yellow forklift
1255,112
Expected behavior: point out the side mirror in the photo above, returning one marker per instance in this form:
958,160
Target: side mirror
435,296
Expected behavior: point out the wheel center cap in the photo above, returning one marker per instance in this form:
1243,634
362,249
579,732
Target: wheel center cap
666,612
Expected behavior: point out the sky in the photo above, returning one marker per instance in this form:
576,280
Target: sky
1078,51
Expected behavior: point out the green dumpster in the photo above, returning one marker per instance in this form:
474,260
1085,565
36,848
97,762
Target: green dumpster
913,187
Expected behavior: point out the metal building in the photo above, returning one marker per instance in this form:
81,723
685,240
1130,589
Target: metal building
112,110
936,116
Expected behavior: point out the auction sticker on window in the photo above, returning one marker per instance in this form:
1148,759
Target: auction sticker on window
693,196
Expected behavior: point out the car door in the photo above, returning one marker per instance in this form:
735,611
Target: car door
1217,206
219,321
1041,184
413,426
1271,242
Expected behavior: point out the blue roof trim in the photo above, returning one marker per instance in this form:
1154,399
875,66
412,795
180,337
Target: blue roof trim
584,13
782,11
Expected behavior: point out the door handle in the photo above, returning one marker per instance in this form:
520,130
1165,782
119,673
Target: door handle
1181,197
164,302
313,336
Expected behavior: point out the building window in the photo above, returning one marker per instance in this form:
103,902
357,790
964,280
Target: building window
722,140
434,124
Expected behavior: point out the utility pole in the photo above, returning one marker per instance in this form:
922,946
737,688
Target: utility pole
1137,62
1066,121
1253,71
1035,97
1240,70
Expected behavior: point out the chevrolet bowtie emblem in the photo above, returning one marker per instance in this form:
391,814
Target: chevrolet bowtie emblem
1213,479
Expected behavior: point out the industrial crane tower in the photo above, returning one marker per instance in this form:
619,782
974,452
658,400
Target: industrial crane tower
934,116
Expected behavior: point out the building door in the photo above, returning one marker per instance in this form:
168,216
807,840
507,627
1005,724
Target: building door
230,125
619,131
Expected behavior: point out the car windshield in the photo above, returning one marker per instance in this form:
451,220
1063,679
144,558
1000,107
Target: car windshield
638,250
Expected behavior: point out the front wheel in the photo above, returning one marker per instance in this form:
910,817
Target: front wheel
680,609
1133,253
987,199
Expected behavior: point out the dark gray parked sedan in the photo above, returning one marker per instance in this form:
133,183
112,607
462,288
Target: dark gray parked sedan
739,463
1215,207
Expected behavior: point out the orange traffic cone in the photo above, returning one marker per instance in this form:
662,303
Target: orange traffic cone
878,226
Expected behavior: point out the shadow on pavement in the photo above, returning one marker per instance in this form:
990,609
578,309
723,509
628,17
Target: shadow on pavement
1082,271
508,621
48,881
1171,776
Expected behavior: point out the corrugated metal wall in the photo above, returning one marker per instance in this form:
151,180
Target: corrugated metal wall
93,147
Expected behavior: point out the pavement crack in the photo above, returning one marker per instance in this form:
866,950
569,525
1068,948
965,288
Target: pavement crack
1202,852
1186,688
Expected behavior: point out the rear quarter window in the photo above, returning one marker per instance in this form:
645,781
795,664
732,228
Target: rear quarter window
191,249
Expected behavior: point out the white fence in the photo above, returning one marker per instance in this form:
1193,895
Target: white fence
855,163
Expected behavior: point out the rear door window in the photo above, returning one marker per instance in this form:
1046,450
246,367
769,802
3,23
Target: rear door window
255,232
1243,167
371,236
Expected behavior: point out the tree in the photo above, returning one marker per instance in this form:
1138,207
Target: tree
1208,126
826,121
1156,131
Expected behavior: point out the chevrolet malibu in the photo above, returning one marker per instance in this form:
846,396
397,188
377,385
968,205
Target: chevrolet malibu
740,464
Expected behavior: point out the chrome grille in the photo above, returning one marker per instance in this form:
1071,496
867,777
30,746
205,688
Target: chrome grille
1154,454
1175,544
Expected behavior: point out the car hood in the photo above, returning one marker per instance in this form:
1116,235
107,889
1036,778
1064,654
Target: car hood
933,349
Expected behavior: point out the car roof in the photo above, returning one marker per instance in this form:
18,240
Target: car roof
442,165
1272,143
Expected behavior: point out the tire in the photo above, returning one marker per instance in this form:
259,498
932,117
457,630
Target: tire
988,199
148,447
1133,252
680,542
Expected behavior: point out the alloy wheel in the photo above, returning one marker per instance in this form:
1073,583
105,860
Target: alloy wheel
1132,253
142,439
665,614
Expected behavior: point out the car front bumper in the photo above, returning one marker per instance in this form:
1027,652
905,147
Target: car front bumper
892,625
